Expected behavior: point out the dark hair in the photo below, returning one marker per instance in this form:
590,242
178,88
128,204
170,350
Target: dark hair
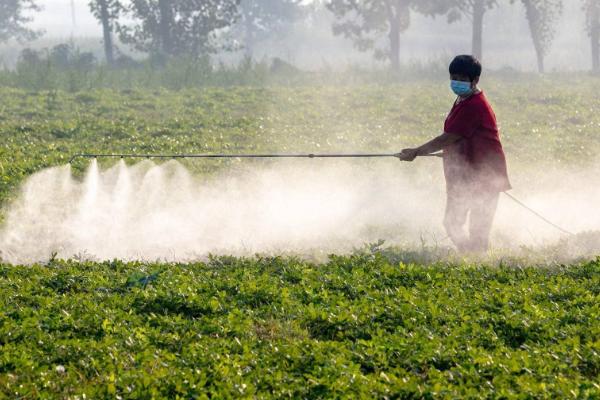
466,65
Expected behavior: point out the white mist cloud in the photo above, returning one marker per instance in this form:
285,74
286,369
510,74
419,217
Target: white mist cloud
149,212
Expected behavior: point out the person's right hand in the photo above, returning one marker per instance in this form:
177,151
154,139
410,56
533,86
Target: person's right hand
408,154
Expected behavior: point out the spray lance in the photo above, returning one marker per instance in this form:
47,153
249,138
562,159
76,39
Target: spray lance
276,155
309,155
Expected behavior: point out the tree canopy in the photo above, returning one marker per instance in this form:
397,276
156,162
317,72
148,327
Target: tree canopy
176,27
13,20
259,19
366,22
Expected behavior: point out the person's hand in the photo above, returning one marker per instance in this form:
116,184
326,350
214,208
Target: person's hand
408,154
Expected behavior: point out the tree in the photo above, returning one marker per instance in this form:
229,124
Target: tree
106,11
475,11
261,18
592,12
365,21
13,20
176,27
541,17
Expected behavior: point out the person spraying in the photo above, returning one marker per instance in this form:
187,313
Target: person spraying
474,161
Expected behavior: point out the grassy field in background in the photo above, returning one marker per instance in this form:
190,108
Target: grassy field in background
367,325
543,123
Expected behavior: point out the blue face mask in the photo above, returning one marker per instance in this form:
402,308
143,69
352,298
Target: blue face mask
461,88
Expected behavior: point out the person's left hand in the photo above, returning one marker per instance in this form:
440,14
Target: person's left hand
408,154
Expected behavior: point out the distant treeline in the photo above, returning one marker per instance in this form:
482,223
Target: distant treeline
167,29
65,67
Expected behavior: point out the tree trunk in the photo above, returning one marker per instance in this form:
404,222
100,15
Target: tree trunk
107,32
394,37
540,60
477,43
166,17
249,28
533,21
595,36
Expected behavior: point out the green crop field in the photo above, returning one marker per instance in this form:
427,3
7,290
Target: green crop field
355,327
378,323
548,125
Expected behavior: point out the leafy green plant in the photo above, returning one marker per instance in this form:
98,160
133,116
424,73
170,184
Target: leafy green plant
356,326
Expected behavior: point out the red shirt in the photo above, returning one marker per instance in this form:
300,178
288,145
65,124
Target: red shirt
478,158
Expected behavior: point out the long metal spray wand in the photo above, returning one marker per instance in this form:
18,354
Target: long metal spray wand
310,155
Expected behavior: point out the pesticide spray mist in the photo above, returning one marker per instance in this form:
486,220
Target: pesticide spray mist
162,212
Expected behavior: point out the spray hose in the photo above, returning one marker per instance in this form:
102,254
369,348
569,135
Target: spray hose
537,214
310,155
